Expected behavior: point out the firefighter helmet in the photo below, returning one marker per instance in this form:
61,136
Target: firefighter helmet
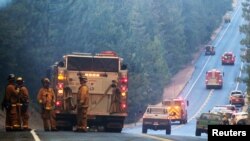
83,78
11,76
45,80
19,79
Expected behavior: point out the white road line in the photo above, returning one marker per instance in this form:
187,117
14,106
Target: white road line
241,67
35,135
197,78
203,105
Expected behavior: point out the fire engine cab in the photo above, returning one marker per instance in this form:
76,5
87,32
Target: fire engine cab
177,109
228,58
108,89
214,79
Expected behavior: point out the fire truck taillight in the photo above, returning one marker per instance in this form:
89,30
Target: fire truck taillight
123,88
123,94
124,80
60,85
60,92
58,103
123,105
60,76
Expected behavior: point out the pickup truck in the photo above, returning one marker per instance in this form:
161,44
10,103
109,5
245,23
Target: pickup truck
156,118
206,119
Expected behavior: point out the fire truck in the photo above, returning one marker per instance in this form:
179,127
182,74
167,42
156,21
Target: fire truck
177,109
107,103
228,58
214,79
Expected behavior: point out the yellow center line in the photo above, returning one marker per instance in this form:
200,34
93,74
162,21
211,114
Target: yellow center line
154,137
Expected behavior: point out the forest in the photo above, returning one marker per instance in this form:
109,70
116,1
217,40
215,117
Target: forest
156,38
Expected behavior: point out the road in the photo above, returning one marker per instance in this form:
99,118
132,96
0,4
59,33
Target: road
200,99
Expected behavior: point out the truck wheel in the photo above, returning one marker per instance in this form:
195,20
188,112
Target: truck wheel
168,130
181,121
241,122
144,129
184,121
197,132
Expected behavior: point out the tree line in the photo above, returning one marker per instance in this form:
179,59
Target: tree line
245,29
156,38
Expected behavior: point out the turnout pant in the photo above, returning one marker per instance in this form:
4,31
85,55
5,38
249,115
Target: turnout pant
48,117
82,118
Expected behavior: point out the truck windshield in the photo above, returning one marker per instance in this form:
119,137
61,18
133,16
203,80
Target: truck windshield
92,64
157,111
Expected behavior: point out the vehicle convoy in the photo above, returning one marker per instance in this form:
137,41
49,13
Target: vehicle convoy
228,58
156,118
108,89
177,109
237,98
209,50
214,79
206,119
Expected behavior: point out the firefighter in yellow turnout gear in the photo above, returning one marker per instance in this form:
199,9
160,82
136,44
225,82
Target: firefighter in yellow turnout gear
82,105
10,105
116,93
46,99
23,103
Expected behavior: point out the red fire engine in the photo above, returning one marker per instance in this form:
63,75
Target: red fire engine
214,79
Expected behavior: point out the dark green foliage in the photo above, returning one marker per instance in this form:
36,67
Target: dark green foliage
245,28
156,38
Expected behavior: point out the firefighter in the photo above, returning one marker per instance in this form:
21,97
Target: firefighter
46,99
9,104
23,104
225,119
82,105
233,120
115,105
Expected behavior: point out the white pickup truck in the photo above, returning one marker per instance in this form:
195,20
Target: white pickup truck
156,118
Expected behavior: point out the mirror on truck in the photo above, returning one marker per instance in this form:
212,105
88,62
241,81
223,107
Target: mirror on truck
60,64
123,67
187,103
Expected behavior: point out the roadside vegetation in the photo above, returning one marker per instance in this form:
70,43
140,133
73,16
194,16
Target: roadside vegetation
156,38
245,28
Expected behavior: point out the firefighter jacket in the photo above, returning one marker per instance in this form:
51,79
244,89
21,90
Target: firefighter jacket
11,95
23,97
83,96
46,97
23,94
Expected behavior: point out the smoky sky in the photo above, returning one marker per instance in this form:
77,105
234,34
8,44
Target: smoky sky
3,3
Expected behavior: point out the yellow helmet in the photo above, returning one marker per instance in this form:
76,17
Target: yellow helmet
19,79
